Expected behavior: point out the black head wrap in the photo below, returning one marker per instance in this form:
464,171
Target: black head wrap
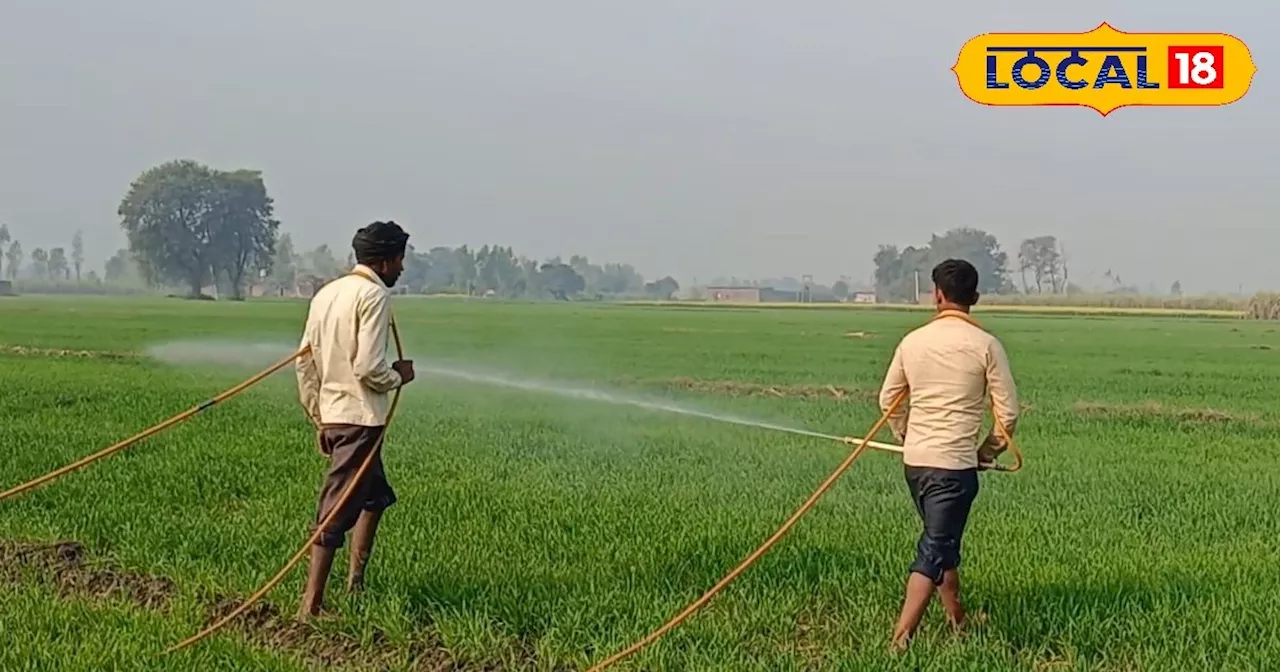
379,241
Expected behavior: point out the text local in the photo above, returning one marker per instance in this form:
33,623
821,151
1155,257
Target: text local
1112,71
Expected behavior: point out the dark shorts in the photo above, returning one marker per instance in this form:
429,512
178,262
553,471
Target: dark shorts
943,498
347,447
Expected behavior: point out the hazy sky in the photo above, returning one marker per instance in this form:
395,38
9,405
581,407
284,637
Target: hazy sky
696,138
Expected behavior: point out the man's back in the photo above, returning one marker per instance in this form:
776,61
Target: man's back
948,365
347,329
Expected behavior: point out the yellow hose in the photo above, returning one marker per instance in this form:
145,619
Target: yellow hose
151,431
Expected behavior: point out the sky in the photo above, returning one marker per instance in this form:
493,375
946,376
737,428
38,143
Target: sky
702,138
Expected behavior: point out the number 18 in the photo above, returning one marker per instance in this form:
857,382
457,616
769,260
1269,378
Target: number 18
1195,67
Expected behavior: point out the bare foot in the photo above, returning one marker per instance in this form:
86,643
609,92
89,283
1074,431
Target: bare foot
899,645
323,614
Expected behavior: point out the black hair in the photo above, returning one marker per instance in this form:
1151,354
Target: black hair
957,279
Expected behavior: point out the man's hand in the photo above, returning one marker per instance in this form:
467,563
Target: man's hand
991,449
404,367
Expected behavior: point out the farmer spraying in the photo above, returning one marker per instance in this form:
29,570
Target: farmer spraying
344,384
946,368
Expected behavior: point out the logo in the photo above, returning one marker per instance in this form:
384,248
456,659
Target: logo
1105,69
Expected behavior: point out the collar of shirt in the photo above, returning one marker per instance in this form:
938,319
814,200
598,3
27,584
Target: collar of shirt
365,271
956,313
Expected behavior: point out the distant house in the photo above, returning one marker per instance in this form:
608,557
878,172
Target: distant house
748,294
862,296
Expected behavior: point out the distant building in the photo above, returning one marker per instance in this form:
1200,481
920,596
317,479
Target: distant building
863,296
749,294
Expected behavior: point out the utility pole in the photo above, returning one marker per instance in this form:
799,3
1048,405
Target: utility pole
917,287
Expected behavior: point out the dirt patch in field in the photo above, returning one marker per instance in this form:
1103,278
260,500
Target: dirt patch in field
25,351
265,626
64,564
1154,409
741,388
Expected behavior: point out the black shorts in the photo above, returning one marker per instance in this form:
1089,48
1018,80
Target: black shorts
943,498
347,447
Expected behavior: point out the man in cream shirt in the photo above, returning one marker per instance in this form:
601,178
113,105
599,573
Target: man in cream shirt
344,384
946,368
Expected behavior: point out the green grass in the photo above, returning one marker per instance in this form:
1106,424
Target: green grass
538,532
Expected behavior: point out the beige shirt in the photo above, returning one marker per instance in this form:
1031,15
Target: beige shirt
346,379
948,365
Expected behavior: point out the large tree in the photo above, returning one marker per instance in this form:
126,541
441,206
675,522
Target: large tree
898,272
188,223
244,231
980,249
1043,257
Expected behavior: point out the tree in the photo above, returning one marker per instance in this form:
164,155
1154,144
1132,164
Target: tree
284,266
189,223
117,267
1176,289
77,253
14,257
4,237
40,262
166,216
561,280
840,290
978,248
321,263
662,289
897,272
1044,257
59,269
243,230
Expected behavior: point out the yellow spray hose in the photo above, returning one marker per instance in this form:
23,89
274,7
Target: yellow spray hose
152,431
355,481
795,517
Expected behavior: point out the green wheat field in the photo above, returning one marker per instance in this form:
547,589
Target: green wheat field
537,532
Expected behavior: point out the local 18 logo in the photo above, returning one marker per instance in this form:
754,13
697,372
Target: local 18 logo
1105,69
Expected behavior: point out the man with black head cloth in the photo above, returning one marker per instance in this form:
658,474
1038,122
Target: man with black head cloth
947,368
344,384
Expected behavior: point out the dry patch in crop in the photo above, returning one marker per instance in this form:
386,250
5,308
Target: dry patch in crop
25,351
64,565
1154,409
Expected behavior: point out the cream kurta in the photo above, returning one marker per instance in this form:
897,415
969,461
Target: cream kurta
949,366
345,379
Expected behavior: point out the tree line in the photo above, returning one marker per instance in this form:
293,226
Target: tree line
192,226
55,263
1041,265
